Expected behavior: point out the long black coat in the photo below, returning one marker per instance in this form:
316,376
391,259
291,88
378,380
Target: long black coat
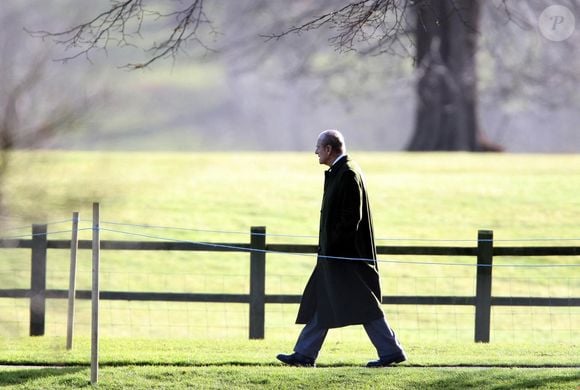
343,292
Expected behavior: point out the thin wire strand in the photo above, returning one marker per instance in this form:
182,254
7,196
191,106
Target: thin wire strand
25,236
147,226
203,230
245,249
47,224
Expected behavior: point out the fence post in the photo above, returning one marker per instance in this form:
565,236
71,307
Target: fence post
95,292
483,285
257,281
74,245
38,280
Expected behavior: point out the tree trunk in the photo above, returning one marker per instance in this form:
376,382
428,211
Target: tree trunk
446,114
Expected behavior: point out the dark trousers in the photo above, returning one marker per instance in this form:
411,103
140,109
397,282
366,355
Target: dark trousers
380,333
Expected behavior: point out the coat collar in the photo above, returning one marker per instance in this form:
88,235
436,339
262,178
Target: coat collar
336,166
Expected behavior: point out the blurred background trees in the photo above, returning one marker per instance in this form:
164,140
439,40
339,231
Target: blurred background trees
38,100
419,75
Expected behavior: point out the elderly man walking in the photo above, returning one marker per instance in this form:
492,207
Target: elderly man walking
344,288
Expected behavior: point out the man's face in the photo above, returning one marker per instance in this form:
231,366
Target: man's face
323,152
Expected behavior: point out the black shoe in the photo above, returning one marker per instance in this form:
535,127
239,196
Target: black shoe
387,360
296,359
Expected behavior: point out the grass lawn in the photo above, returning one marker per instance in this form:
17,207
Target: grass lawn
235,377
431,196
414,197
336,352
131,363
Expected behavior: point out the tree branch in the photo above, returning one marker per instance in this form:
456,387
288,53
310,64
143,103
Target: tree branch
370,22
126,19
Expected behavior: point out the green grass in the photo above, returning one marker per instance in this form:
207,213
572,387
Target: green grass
435,196
232,377
243,364
414,196
417,196
336,352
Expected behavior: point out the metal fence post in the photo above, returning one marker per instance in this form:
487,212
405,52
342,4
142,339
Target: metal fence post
257,281
74,246
38,280
483,285
95,293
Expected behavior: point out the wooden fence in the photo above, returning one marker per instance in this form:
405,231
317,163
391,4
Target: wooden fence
257,298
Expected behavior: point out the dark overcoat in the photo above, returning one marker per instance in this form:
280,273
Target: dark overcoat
341,291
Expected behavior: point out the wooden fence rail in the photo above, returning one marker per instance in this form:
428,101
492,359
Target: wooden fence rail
257,298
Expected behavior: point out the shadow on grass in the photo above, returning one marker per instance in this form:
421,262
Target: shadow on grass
28,375
506,380
330,377
275,363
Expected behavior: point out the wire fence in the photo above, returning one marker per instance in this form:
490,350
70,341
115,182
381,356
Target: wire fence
225,271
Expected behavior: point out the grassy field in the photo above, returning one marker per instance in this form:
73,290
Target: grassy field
235,377
433,196
250,364
414,196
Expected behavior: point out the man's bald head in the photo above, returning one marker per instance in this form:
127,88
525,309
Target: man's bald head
330,146
334,139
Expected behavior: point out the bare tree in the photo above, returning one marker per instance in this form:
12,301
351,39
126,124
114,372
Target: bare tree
446,116
123,22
